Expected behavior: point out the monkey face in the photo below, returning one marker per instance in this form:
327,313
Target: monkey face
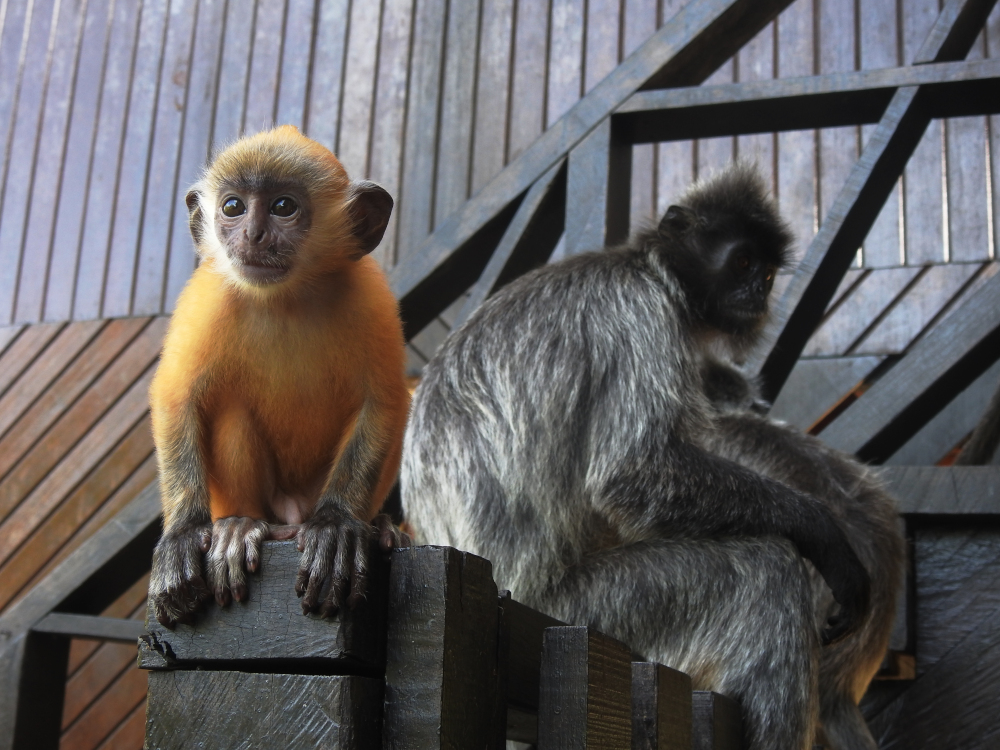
260,227
739,275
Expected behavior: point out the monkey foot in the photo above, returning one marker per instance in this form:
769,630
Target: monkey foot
235,552
335,549
390,536
176,586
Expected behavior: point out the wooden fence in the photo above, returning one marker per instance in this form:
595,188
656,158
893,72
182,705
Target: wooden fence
435,657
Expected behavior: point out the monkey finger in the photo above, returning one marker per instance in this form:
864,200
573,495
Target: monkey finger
251,545
307,546
359,575
315,568
341,573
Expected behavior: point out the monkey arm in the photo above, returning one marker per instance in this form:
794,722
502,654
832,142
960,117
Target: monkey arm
176,584
683,489
335,541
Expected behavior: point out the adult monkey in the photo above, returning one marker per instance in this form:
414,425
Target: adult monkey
562,433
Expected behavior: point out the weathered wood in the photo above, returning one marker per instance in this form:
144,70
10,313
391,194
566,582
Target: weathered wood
816,385
945,490
684,51
265,65
598,183
441,651
23,350
528,241
88,626
822,101
982,445
33,669
245,711
718,722
585,698
938,366
859,202
661,708
527,633
270,626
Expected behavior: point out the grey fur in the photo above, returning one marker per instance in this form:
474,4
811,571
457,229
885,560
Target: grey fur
563,433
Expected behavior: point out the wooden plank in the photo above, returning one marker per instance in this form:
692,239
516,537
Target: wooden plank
942,363
565,64
102,398
126,229
718,722
386,154
130,733
88,626
816,385
661,708
441,652
13,33
104,714
458,91
262,710
917,309
77,164
416,194
639,22
585,698
856,313
530,55
34,672
131,605
237,49
73,468
685,50
604,39
953,423
944,490
22,148
22,352
7,335
108,665
105,162
528,241
858,203
44,369
296,62
356,110
62,394
265,66
489,148
78,511
199,110
812,101
162,188
44,186
326,85
597,191
968,196
527,633
270,625
756,62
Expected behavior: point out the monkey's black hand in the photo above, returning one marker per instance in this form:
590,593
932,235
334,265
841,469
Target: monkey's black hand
235,552
390,536
176,585
826,545
335,548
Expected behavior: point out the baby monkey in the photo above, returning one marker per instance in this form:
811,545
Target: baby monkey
279,403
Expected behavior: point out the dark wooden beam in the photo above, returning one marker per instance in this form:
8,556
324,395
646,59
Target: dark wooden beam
937,367
953,89
661,708
685,51
944,490
88,626
528,240
718,722
857,206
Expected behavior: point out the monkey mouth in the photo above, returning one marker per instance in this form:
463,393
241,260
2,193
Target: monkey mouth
259,273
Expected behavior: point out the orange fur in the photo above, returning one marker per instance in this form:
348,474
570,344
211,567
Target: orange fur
278,376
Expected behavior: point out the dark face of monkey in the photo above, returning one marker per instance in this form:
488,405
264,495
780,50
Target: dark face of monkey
725,247
260,226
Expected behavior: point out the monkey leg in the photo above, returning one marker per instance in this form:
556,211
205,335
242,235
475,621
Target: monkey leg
736,615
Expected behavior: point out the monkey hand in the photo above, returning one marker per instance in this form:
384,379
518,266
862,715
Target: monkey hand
235,552
390,536
176,585
335,548
831,553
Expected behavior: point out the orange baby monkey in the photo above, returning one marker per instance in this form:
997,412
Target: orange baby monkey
279,397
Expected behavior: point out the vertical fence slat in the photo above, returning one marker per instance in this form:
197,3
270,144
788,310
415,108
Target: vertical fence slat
661,708
265,65
527,106
492,91
640,24
359,88
326,86
597,191
230,100
755,62
718,724
295,58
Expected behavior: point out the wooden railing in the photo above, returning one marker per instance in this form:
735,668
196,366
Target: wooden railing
435,657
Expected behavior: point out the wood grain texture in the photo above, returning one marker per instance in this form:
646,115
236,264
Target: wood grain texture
263,711
717,722
597,189
661,708
526,628
585,696
816,385
270,625
945,490
440,677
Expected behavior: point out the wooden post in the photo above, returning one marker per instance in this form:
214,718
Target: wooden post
586,691
718,722
661,708
440,678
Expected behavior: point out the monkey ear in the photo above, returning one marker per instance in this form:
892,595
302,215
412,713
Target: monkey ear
369,206
195,218
677,219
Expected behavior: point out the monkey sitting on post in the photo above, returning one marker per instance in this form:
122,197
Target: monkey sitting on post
564,433
279,397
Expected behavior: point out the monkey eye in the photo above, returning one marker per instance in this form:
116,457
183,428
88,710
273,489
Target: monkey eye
742,262
284,206
233,207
